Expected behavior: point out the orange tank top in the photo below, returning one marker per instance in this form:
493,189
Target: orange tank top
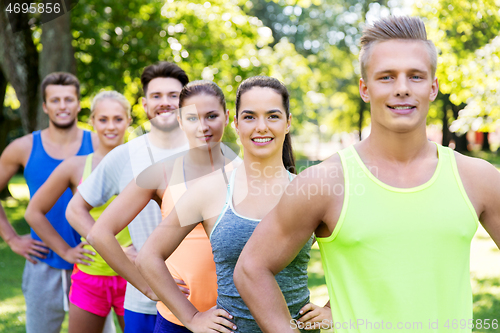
192,261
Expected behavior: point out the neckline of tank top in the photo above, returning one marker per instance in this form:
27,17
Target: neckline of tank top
223,171
230,196
417,188
82,142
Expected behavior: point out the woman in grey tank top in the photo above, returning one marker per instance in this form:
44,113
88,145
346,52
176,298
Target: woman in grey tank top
230,211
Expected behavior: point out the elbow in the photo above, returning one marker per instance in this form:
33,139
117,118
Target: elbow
31,215
243,272
147,258
141,262
91,239
71,214
28,215
96,236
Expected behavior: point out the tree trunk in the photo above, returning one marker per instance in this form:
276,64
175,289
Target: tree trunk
19,63
362,106
446,131
486,142
4,130
4,127
461,142
57,53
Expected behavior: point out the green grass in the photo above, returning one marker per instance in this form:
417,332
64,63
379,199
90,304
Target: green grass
17,179
487,301
12,308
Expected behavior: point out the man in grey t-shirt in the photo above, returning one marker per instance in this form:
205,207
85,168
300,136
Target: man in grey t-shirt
162,83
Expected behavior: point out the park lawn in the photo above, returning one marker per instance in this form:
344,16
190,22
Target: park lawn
12,310
12,306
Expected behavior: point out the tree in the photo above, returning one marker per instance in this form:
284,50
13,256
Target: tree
19,63
211,40
465,33
109,44
327,34
23,65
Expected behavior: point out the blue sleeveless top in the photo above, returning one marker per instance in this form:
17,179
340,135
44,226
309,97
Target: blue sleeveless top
228,237
38,169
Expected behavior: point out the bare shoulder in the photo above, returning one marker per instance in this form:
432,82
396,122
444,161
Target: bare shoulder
156,176
327,172
211,185
208,193
75,161
318,187
321,194
481,181
203,201
476,169
19,150
72,169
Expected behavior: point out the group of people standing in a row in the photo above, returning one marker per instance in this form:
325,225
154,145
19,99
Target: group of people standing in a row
211,242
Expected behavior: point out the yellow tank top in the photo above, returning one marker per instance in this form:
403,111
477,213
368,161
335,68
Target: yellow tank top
99,266
398,259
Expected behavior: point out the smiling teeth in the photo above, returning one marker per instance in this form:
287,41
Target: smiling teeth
402,107
262,140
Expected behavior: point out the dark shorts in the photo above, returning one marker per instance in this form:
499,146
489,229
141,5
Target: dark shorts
139,322
165,326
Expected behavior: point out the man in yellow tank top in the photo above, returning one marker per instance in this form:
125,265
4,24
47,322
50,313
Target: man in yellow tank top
394,215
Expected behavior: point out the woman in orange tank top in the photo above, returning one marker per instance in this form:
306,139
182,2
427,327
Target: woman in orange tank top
203,117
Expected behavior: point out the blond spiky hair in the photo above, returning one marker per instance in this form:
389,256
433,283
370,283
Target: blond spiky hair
395,27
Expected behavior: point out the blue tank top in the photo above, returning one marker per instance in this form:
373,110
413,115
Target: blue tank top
228,237
38,169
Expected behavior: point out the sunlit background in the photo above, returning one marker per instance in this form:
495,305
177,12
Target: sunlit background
310,45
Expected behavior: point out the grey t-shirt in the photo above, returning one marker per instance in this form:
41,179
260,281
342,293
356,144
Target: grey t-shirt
111,176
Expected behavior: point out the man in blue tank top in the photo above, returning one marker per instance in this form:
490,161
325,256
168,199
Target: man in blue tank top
46,276
398,66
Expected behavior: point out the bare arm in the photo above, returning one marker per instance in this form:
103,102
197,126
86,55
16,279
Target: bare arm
151,263
288,226
481,181
41,203
15,155
490,191
78,215
115,218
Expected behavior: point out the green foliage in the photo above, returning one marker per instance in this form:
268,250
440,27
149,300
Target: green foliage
309,45
465,33
325,98
211,40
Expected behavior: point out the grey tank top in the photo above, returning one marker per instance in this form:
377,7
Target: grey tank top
228,237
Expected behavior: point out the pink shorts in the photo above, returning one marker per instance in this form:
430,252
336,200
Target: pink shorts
97,294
